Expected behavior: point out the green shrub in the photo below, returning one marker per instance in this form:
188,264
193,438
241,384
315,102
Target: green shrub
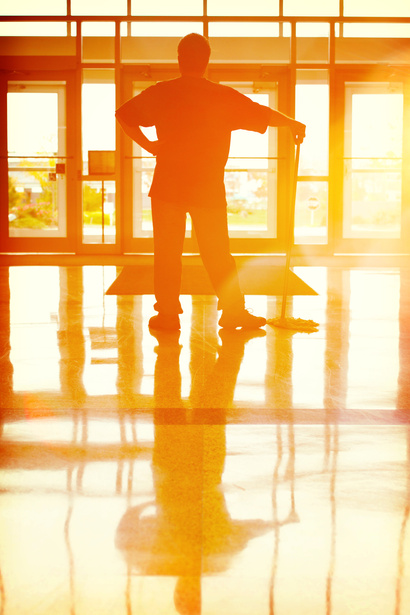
95,217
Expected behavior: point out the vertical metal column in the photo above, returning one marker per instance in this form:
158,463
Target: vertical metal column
333,152
78,157
4,196
205,19
119,170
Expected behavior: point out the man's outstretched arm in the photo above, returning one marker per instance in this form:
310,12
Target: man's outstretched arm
138,136
297,129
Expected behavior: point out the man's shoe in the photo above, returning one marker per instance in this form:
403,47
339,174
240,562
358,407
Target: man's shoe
242,319
164,322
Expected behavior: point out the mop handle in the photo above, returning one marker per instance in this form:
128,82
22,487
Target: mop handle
290,230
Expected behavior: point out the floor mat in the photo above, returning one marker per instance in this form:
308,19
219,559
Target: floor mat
257,277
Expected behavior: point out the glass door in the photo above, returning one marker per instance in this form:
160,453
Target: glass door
312,195
251,175
258,166
137,172
372,202
143,165
37,166
98,132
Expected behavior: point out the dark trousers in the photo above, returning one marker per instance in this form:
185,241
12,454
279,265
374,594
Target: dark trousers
211,228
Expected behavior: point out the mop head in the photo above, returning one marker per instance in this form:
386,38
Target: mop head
295,324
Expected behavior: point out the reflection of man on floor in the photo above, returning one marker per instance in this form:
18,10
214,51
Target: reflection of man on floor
187,531
194,119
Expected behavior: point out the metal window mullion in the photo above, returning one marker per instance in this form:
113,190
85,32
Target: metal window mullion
128,15
216,18
332,191
280,15
68,15
78,209
205,23
119,171
272,175
293,62
405,205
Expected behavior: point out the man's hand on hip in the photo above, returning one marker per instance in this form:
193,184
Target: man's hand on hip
153,148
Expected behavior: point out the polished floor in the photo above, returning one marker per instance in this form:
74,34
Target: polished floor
206,471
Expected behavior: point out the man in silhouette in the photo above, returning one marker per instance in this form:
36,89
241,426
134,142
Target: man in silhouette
194,118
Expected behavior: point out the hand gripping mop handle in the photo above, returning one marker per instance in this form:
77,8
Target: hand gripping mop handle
291,224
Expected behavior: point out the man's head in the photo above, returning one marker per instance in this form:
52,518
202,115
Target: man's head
193,54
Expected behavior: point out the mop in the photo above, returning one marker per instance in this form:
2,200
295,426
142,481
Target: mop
296,324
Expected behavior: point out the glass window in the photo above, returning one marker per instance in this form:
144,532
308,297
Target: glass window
98,28
28,7
98,7
312,29
98,118
312,108
143,166
316,8
38,28
98,133
250,175
37,164
99,212
175,28
243,7
311,212
32,122
376,8
373,160
376,30
248,29
165,7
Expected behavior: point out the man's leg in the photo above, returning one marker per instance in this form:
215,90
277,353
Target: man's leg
211,227
168,221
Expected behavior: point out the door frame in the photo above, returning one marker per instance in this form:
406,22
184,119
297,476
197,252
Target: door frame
377,245
43,244
217,73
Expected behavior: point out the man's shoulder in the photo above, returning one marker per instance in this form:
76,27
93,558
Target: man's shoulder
203,83
216,87
185,87
224,91
160,86
195,90
167,84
